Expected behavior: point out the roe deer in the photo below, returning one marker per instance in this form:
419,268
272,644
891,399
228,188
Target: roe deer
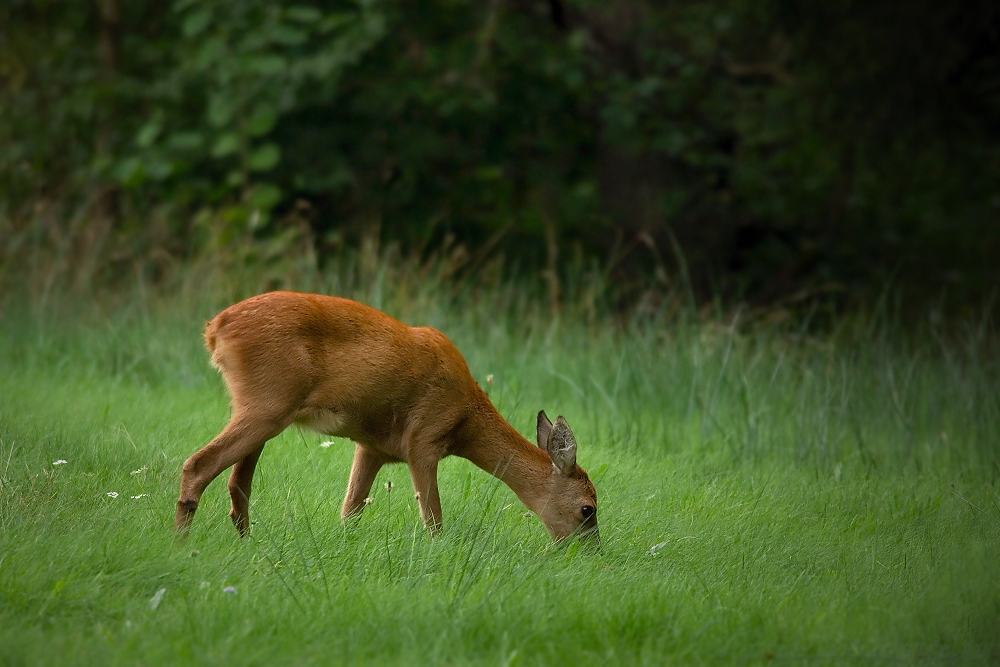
402,394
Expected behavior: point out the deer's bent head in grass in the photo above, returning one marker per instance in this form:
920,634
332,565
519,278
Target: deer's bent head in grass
402,394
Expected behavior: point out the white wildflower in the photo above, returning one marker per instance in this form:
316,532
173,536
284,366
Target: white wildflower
326,444
141,495
112,494
59,462
139,471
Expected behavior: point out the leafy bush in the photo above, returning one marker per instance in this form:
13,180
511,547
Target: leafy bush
765,149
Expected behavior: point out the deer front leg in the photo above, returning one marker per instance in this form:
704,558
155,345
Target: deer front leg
367,463
424,476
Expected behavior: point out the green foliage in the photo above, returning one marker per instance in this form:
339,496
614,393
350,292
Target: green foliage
236,70
775,148
50,101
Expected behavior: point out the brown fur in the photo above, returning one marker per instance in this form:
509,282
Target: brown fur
402,394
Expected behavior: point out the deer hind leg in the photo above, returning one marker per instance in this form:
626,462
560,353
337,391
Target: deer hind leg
239,491
367,463
243,437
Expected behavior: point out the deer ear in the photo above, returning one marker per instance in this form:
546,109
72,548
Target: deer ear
542,428
561,447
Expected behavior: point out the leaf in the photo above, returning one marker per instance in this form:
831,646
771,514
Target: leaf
264,158
211,54
148,134
226,144
221,109
130,173
159,168
303,14
269,64
265,196
489,173
196,21
234,178
334,21
186,141
262,120
287,35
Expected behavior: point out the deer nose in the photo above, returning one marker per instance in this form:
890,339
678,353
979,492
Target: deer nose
591,537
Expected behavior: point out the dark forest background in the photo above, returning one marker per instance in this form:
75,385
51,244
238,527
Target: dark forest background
770,152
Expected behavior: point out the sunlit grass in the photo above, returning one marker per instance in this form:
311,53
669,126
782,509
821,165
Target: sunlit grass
762,494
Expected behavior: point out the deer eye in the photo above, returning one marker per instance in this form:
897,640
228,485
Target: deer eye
587,511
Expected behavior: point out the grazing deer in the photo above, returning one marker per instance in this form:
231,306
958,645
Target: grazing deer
402,394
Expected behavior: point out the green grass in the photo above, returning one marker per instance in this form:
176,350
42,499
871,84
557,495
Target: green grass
763,497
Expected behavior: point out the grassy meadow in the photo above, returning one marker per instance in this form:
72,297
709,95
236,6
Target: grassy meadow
765,496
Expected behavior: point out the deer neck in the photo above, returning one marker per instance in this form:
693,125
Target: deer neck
492,444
